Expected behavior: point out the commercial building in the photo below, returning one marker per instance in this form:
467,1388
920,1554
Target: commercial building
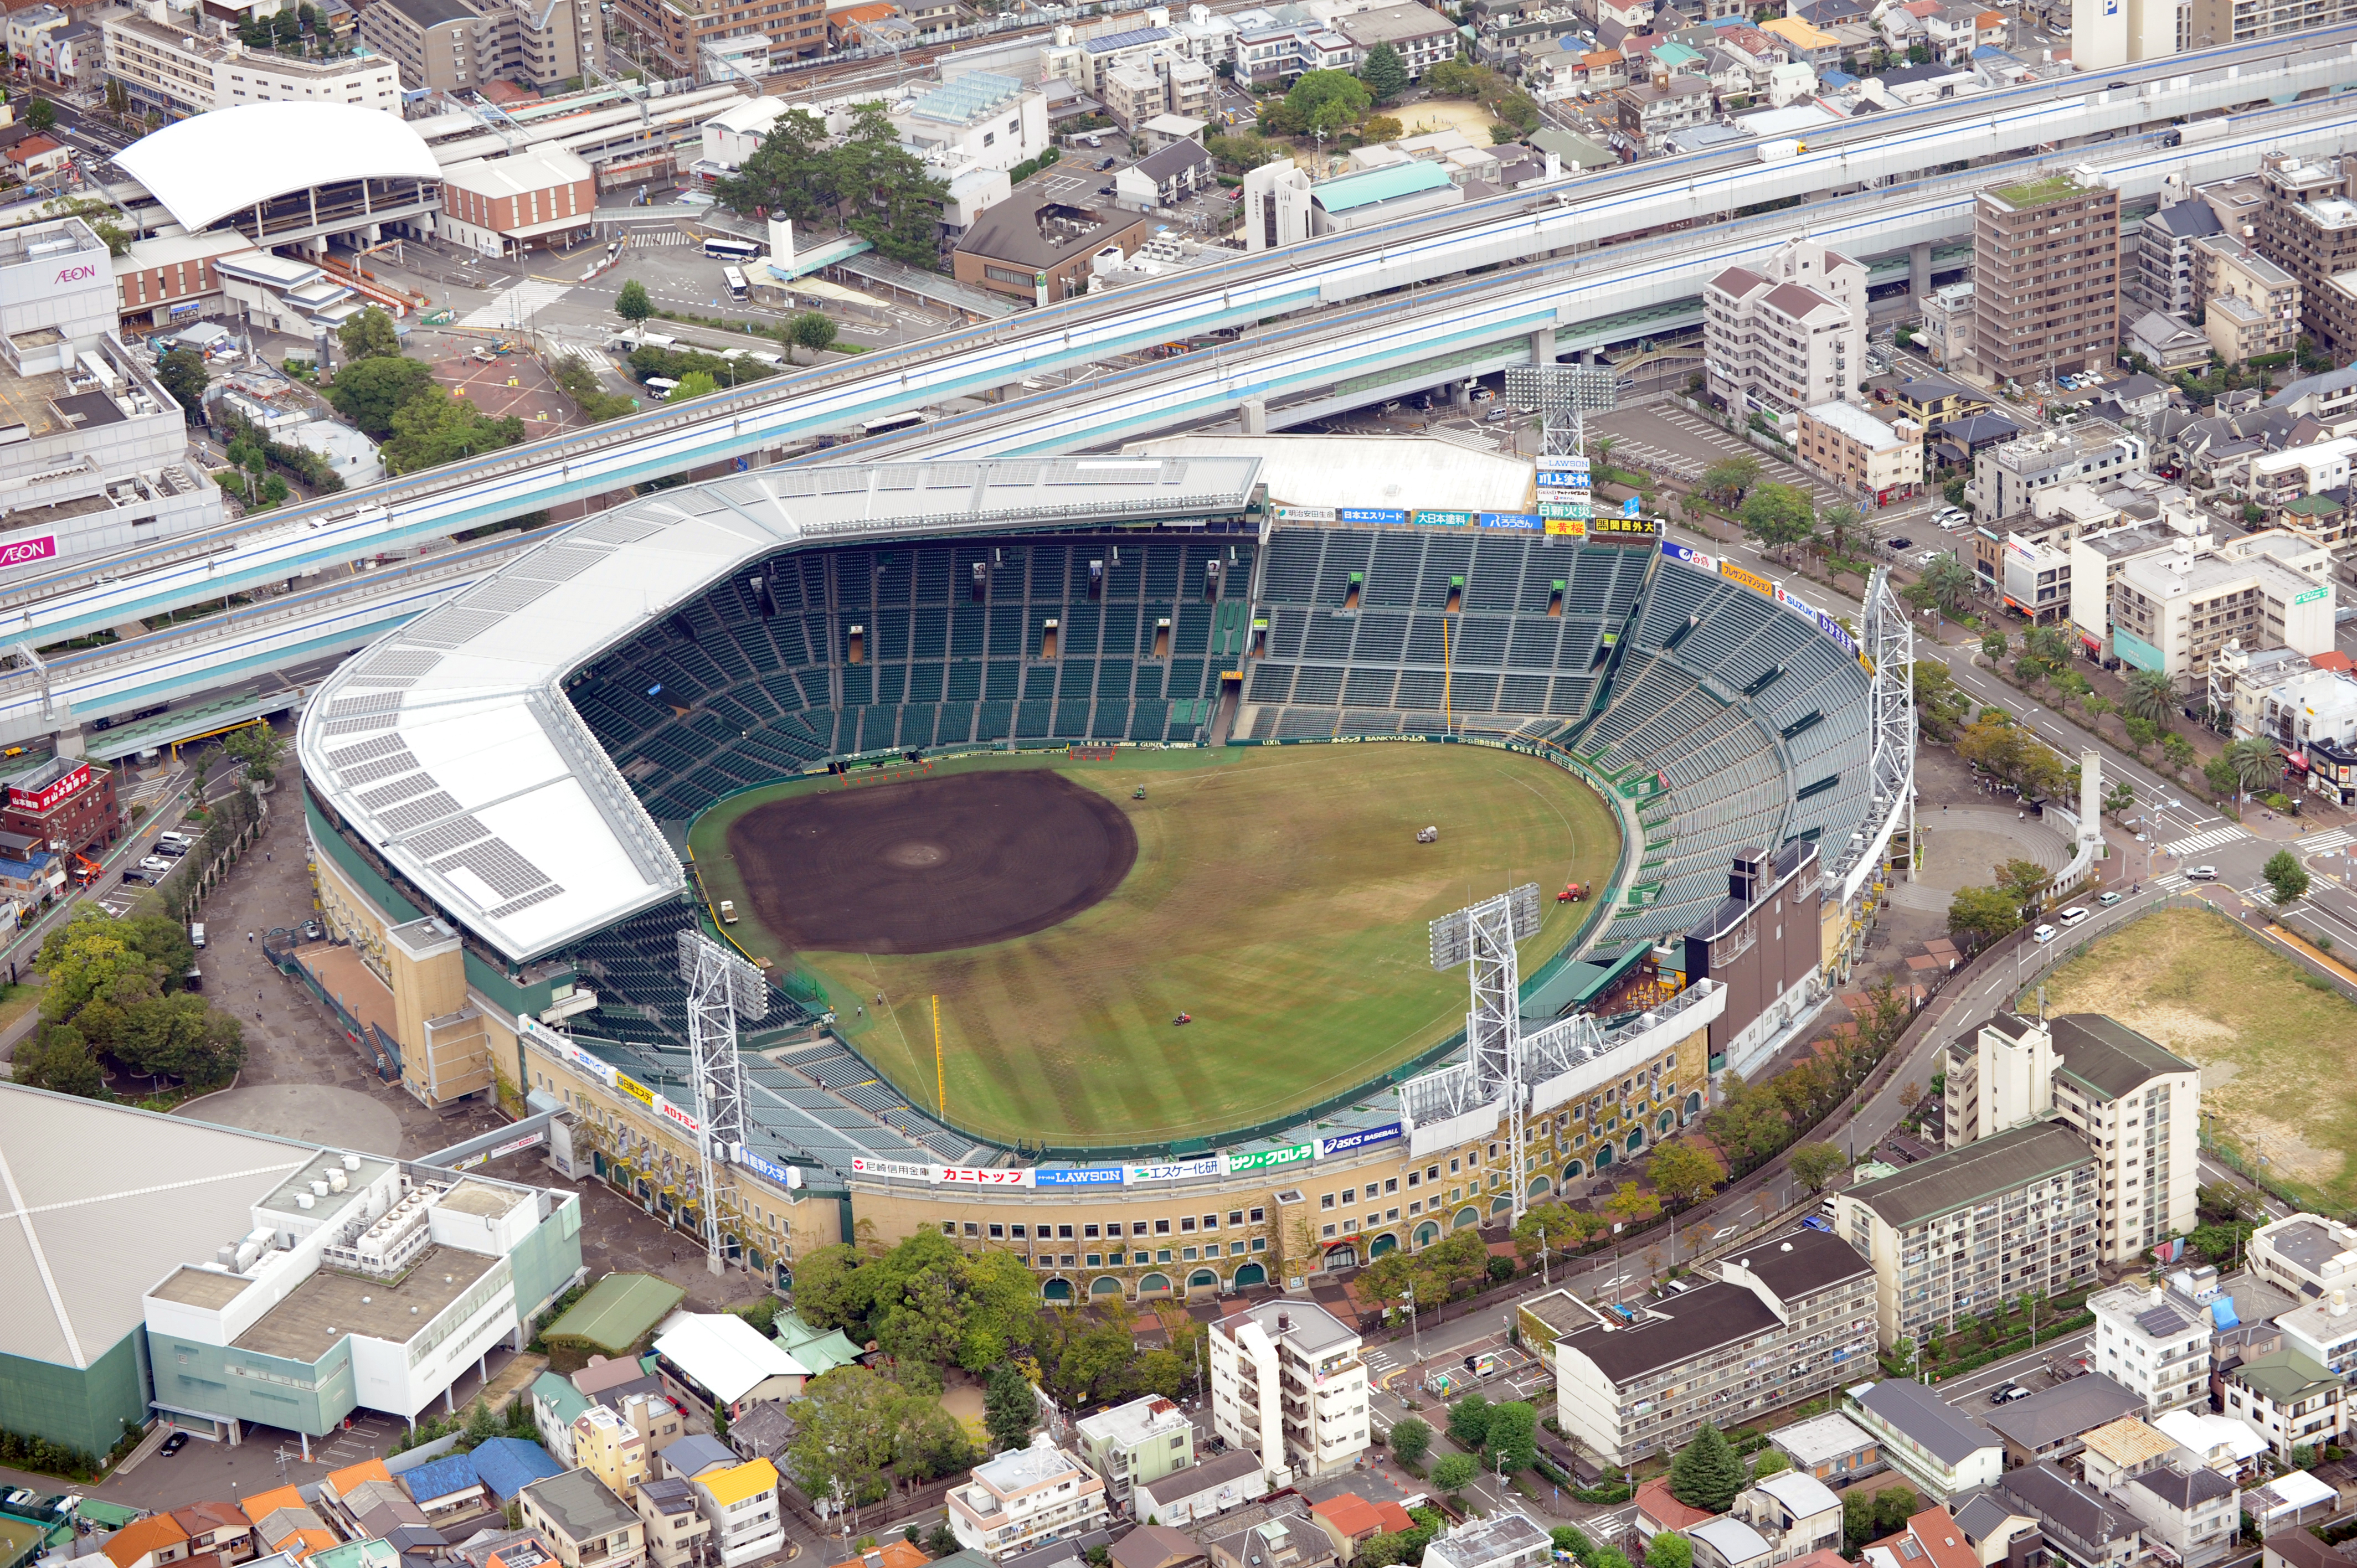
1507,1540
66,803
303,1235
178,65
710,1358
1952,1237
2008,476
2095,562
1024,1498
2173,613
171,280
2306,1254
1134,1443
1283,206
1042,252
2045,277
1787,335
2154,1343
1287,1382
983,120
534,199
1765,945
96,460
1924,1438
1878,463
1167,178
1788,1322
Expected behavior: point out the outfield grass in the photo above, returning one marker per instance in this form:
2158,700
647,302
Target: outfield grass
2252,1022
1279,897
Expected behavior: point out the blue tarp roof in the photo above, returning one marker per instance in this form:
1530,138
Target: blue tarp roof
509,1465
441,1477
2222,1313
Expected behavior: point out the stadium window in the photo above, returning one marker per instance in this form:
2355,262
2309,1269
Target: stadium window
1391,1185
1328,1231
1454,1193
1414,1178
948,1227
1096,1260
1432,1173
997,1233
1416,1207
1063,1233
1161,1255
1235,1248
972,1228
1185,1224
1390,1214
1211,1222
1260,1244
1375,1215
1019,1232
1236,1216
1350,1228
1494,1151
1325,1200
1137,1228
1187,1254
1259,1215
1452,1167
1162,1228
1068,1260
1349,1195
1090,1233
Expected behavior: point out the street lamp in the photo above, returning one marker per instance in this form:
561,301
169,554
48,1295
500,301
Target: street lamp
1416,1337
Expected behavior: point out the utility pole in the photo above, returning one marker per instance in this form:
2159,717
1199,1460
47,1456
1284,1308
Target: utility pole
1415,1339
1542,1257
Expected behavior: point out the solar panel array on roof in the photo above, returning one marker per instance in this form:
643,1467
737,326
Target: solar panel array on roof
970,94
2157,1321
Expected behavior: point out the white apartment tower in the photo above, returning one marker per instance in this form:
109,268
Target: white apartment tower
1287,1382
1788,334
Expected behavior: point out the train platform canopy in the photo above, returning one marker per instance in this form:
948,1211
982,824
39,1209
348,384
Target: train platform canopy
1415,472
203,168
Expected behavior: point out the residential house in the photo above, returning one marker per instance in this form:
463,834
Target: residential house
740,1503
1726,1541
692,1455
1833,1448
2324,1331
2194,1512
765,1432
1946,337
1026,1498
2052,1423
582,1520
1285,1540
2168,342
1933,399
1657,1509
2299,1549
1507,1540
708,1360
1351,1521
675,1529
1155,1546
216,1529
1165,178
2221,1442
1925,1438
148,1542
1144,1439
2085,1529
1931,1540
1796,1514
610,1449
2119,1452
2288,1400
1647,112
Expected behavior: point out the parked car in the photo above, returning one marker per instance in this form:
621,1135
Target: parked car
174,1444
313,930
2008,1394
157,864
169,850
183,841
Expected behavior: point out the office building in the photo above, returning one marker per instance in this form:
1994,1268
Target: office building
983,120
2156,1343
1762,943
66,804
170,62
2172,613
2009,476
1137,1443
1789,1321
1952,1237
1287,1381
1024,1498
1787,335
2045,277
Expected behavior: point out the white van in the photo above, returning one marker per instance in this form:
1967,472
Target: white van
196,933
2072,916
2043,934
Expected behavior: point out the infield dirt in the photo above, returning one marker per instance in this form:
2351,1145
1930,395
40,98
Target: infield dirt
1277,895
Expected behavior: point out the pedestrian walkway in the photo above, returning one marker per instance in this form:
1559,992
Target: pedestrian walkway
2174,882
642,240
2215,837
2325,844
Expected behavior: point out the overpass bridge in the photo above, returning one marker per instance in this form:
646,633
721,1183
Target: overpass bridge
1572,221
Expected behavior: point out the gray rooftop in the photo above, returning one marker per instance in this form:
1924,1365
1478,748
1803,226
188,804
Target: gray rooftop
1673,1329
2108,1059
2185,1489
1232,1466
1821,1438
2064,1412
692,1455
1304,1324
1960,1178
1907,1406
580,1505
1487,1540
2059,1502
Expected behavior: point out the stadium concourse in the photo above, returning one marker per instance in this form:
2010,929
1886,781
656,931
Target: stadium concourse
497,795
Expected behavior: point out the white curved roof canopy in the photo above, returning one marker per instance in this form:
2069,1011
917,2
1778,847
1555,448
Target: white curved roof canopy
449,745
204,168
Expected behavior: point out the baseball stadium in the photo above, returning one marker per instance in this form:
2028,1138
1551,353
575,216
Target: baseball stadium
1090,835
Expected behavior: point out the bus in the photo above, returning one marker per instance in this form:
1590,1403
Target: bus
892,422
736,282
720,248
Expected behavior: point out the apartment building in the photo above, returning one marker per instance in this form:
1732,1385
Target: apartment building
1287,1381
1926,1439
1953,1236
1946,336
177,71
2046,256
1787,335
1026,1497
1163,84
2172,613
1419,34
2008,476
2095,563
1134,1443
2250,305
1789,1321
674,35
448,45
2223,22
611,1449
1648,114
582,1520
740,1503
2162,278
2288,1400
2307,225
439,45
1876,462
2156,1344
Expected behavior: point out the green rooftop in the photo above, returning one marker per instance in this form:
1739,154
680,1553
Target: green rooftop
1345,193
619,1311
2040,192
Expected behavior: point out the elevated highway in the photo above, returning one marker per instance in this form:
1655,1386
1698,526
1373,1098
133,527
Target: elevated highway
1569,222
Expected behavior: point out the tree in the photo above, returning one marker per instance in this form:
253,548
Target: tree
1380,128
1857,1520
1840,521
1707,1475
1815,1164
2175,753
1410,1440
433,427
694,384
1769,1462
1939,703
2253,762
1513,1436
849,1419
1982,915
370,391
1631,1205
2026,881
812,330
1329,100
55,1057
885,194
2287,877
632,304
1668,1549
1469,1422
1729,479
369,335
1778,515
40,115
2149,695
1947,583
1008,1407
1893,1507
1384,73
183,373
1685,1172
1451,1473
258,747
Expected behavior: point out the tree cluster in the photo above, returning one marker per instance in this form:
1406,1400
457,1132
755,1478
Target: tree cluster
858,1431
865,183
114,990
1494,93
651,363
1320,102
1870,1517
1753,1121
2012,754
1458,1265
576,381
182,371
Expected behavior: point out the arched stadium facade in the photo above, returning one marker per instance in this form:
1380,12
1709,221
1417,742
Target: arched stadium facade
496,796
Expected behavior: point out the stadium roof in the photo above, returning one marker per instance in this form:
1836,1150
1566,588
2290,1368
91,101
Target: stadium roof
203,168
86,1233
448,745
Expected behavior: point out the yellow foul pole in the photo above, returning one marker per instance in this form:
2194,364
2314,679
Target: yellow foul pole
940,1092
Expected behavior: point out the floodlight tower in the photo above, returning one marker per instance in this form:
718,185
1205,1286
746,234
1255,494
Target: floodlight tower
1482,936
721,989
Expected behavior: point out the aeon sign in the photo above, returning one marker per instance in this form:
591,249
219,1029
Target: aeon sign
76,274
24,549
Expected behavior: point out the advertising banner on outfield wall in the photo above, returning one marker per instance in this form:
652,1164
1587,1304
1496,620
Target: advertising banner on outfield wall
981,1176
782,1176
1370,514
1270,1159
1177,1170
1097,1176
901,1170
1349,1143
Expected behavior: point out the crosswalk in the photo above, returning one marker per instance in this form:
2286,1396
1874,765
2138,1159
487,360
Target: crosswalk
2174,882
2325,844
644,239
2211,840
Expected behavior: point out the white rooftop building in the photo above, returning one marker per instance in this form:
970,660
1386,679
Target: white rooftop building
1026,1497
718,1357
